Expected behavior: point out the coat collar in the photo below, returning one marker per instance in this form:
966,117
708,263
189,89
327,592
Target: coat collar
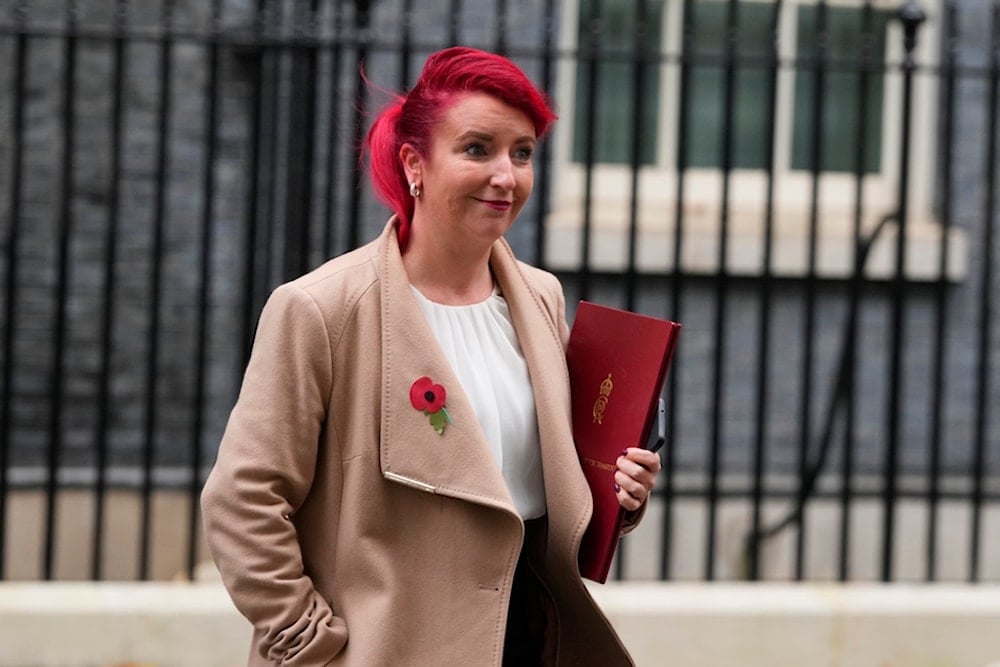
458,462
566,492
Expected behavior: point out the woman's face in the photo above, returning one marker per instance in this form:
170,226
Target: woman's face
478,173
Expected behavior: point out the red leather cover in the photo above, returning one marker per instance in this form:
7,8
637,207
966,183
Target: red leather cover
618,362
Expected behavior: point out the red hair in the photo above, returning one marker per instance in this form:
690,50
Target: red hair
411,118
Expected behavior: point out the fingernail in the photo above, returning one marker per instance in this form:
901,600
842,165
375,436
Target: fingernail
617,487
624,453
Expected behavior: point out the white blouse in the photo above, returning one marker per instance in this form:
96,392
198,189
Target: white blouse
480,342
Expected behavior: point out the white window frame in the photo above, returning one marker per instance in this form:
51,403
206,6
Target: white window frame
611,183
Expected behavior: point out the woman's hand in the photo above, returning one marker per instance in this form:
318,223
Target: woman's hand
636,474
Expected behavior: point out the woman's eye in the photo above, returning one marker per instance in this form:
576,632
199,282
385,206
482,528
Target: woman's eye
523,154
475,150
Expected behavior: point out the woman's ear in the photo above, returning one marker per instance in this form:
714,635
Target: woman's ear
412,163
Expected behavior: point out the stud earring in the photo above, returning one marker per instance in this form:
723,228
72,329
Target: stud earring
414,190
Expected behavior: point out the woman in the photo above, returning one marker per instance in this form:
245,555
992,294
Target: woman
397,484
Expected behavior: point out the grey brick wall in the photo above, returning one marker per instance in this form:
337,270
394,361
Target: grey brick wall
174,374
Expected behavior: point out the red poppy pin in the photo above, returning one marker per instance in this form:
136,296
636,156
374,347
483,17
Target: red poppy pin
429,398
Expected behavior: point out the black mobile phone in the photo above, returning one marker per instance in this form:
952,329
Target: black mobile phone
658,429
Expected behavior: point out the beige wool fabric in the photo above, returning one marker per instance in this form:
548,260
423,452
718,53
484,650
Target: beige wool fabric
350,532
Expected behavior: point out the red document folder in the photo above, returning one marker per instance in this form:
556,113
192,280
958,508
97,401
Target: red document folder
618,362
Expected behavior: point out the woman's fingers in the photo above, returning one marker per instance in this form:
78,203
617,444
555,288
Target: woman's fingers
636,476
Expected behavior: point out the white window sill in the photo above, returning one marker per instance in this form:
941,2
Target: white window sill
745,250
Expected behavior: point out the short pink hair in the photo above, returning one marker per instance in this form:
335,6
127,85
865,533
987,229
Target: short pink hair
411,118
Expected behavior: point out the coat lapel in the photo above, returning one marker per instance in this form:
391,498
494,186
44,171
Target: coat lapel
456,462
566,491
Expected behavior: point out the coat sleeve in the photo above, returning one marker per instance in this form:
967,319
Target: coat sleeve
265,467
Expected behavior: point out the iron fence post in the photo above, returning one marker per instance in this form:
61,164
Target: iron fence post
301,126
912,17
362,27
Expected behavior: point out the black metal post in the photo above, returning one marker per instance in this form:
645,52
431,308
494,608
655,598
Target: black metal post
676,286
986,293
544,163
590,59
643,59
766,293
254,59
300,151
938,376
64,234
500,40
855,287
911,16
108,310
721,283
362,28
817,155
153,353
334,128
17,129
201,358
454,28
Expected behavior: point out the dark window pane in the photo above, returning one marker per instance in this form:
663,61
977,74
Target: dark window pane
612,127
841,96
706,120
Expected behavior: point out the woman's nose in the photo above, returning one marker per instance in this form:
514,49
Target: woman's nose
503,174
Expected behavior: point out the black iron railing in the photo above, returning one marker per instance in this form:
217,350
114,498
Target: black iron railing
163,165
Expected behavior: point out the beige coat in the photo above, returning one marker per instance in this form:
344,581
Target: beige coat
346,529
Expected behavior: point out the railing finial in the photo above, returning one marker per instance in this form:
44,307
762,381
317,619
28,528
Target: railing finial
912,16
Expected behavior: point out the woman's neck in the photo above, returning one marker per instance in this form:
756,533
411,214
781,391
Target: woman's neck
449,278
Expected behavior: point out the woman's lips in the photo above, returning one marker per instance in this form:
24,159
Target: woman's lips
497,204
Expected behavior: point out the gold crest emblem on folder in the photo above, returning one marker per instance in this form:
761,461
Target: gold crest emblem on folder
601,404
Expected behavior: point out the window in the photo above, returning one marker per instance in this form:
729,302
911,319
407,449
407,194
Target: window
604,84
834,115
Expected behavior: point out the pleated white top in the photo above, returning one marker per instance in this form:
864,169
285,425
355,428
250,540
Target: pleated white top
480,342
